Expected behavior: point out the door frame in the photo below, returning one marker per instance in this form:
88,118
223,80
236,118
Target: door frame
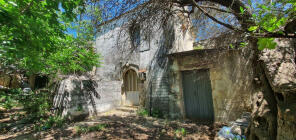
125,69
180,77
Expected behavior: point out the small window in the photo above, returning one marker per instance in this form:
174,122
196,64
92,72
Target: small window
135,32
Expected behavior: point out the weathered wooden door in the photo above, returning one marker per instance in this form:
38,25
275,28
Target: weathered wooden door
131,88
197,94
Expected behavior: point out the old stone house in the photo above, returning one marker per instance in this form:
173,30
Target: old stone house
163,73
134,67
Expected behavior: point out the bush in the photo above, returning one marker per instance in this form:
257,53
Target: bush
34,104
156,113
37,105
8,100
54,121
50,122
143,112
180,132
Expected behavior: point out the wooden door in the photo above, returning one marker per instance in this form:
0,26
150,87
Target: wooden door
197,94
131,88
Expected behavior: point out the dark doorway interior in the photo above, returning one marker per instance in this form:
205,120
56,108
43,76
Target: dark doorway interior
40,82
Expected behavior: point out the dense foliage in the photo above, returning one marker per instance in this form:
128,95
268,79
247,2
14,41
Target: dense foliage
36,108
33,36
44,37
272,17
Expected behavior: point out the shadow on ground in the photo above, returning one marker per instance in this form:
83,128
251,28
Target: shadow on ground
123,123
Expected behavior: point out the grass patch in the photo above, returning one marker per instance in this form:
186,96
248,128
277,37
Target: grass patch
85,129
50,122
156,113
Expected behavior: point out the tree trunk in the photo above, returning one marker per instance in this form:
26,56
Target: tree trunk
273,103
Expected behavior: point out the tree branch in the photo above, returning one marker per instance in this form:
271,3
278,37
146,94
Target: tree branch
216,8
214,19
273,35
123,14
27,7
235,6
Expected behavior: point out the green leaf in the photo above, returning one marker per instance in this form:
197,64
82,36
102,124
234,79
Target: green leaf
2,2
264,7
260,47
266,43
281,21
242,10
253,28
273,20
231,46
250,2
243,44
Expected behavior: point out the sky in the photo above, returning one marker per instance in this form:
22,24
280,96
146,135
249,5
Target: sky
69,31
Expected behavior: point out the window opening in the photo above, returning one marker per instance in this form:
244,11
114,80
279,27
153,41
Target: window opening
135,35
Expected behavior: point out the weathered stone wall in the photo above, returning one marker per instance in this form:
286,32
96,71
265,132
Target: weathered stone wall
231,75
10,80
17,80
222,41
79,97
110,95
117,53
5,80
231,80
159,95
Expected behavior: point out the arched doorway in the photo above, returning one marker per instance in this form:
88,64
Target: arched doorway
131,89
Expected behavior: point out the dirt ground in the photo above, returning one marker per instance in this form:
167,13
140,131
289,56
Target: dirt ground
122,123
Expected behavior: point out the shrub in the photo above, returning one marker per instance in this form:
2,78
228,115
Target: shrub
143,112
37,105
8,99
6,102
33,103
54,121
156,113
50,122
180,132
